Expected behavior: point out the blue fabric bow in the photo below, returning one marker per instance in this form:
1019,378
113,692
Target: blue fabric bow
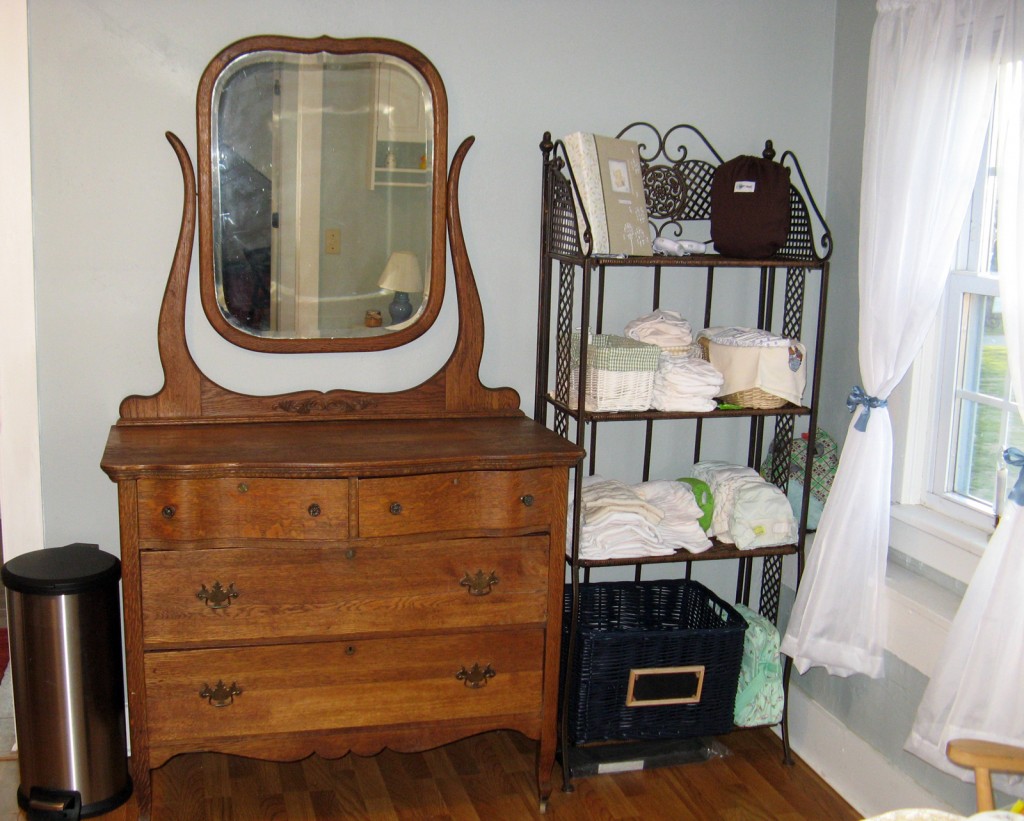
859,397
1014,457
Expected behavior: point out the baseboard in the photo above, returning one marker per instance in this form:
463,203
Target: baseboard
851,766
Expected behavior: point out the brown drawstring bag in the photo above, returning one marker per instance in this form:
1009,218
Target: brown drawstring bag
750,207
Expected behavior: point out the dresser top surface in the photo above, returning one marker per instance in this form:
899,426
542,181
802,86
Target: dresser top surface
333,449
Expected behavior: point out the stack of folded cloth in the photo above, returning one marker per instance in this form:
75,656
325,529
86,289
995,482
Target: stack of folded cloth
683,383
680,525
618,521
749,512
666,329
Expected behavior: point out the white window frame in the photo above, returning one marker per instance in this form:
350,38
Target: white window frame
960,285
939,529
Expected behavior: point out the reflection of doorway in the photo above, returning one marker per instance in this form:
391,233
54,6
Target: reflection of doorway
297,151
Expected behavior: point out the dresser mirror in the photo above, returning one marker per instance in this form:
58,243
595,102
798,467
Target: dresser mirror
321,193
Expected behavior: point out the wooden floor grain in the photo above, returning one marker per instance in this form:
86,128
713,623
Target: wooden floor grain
488,777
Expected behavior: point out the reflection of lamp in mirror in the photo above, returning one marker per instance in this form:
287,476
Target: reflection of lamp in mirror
401,275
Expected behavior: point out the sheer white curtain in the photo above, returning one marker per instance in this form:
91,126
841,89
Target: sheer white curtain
977,687
930,81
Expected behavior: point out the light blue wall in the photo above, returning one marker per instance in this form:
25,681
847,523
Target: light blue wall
109,77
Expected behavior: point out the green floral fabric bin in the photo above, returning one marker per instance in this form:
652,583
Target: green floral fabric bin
759,694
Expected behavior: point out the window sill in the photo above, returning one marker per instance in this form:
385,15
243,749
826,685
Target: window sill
936,542
931,560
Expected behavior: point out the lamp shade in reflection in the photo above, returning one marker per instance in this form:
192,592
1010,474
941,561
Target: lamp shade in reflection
401,275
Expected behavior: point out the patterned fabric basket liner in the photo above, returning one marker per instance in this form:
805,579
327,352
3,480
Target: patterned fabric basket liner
620,373
671,631
761,370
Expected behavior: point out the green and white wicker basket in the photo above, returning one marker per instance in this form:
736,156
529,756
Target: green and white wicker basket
620,373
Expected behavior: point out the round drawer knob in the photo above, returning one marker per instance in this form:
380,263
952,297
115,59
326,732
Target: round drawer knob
243,487
168,511
527,499
314,510
396,508
350,553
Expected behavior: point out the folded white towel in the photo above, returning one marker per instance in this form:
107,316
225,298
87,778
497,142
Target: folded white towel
685,384
666,329
679,527
604,497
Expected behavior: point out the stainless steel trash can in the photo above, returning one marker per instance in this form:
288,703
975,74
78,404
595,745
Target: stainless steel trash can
65,638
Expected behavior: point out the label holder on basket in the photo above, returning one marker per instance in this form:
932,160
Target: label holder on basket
654,686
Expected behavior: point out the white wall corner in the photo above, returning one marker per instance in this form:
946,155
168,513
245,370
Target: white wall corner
851,766
21,506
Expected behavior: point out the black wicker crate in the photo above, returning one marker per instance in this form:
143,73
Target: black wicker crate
656,659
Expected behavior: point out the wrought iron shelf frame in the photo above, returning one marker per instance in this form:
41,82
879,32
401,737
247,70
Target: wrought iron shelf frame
677,169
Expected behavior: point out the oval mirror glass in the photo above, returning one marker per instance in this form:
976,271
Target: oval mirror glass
324,194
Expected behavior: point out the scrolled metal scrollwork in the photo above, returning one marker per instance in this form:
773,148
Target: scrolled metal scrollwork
222,695
218,597
476,677
480,583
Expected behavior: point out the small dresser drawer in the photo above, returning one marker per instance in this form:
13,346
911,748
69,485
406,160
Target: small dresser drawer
238,508
438,502
205,597
212,697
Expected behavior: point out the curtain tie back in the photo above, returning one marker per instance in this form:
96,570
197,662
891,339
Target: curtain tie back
859,397
1014,457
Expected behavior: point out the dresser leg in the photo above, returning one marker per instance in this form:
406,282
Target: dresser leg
142,788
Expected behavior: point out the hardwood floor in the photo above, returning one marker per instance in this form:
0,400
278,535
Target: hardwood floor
486,777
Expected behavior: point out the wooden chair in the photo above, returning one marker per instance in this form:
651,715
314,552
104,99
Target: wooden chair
985,757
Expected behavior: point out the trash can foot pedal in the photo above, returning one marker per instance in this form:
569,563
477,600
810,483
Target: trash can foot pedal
54,805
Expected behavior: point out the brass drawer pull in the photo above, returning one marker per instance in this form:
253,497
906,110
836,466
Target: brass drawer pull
243,487
313,510
396,508
222,695
476,677
479,584
527,499
350,553
168,511
219,597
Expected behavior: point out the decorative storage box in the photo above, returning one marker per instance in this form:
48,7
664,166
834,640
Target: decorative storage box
620,373
761,369
657,659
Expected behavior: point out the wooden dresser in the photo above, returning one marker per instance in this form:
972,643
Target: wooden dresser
326,587
341,571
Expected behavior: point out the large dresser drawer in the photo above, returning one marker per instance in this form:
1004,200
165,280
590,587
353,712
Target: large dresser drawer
471,500
199,597
236,508
211,696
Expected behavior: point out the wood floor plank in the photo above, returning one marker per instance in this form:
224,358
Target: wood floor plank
489,777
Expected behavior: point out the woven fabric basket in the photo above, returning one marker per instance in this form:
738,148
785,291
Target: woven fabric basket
620,373
749,398
658,630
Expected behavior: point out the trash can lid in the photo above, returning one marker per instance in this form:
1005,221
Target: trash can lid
59,571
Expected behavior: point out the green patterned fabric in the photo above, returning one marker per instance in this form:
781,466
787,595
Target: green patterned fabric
617,353
759,694
823,464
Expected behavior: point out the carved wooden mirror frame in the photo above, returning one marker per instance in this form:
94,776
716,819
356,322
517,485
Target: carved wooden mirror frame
326,47
188,395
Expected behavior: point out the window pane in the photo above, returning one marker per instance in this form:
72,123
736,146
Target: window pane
979,449
993,375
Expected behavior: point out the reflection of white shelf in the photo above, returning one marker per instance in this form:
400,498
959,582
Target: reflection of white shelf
401,129
382,177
